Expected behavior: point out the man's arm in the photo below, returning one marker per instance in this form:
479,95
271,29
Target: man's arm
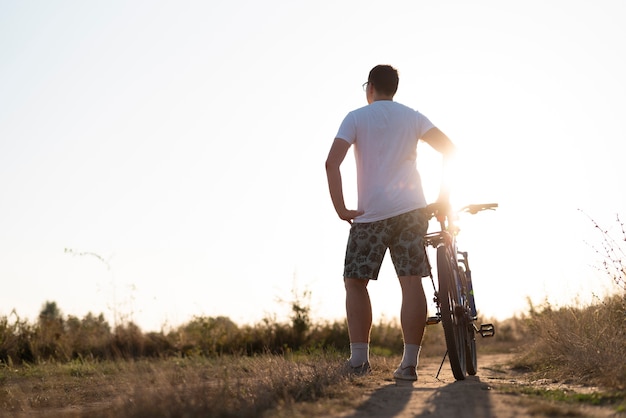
440,142
337,153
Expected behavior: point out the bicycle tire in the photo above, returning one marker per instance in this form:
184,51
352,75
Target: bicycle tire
471,361
470,353
454,327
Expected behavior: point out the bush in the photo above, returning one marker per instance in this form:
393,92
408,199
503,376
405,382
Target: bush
15,340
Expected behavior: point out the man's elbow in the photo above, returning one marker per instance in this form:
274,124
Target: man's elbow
450,149
331,165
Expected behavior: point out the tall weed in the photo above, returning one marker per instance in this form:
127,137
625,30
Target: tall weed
583,344
586,343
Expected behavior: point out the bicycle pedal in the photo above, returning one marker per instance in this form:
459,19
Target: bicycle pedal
487,330
433,320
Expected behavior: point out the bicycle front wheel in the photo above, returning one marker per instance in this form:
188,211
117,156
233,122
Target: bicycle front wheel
452,311
470,342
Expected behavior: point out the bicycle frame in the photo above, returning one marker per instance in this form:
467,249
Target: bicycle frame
444,237
454,298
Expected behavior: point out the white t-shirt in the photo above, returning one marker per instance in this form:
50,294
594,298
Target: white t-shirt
385,135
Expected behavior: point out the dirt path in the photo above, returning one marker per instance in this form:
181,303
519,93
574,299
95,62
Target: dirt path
483,395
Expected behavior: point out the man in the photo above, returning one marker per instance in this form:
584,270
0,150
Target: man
385,134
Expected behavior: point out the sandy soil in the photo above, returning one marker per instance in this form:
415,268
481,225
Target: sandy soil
482,395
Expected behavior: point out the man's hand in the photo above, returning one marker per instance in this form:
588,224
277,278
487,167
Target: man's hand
349,215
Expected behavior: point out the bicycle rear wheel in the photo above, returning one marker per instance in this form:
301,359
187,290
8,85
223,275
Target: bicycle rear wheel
452,311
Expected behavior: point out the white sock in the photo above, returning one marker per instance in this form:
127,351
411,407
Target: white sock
359,354
410,357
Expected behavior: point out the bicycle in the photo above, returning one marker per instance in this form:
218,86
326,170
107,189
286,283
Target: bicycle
454,299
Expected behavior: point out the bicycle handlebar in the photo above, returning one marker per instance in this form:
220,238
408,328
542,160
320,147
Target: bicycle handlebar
438,208
444,214
474,209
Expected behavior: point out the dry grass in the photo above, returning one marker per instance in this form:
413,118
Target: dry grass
586,345
219,387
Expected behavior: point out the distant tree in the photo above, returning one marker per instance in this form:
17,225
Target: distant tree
50,312
211,335
48,341
301,314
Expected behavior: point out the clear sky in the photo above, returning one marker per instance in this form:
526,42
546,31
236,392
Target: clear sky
180,146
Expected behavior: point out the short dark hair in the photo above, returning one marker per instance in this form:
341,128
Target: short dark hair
384,78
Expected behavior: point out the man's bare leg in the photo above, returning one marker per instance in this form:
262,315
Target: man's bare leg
413,320
359,316
413,311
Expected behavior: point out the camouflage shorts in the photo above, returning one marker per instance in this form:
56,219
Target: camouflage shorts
402,234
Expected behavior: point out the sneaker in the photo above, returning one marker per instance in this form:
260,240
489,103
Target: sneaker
405,373
361,370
